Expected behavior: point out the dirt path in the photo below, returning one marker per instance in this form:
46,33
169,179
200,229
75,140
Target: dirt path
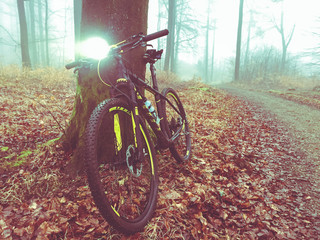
299,126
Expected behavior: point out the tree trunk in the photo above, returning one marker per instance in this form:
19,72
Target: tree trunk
206,52
176,47
248,38
47,32
173,31
116,21
26,62
171,36
238,53
77,12
41,37
32,44
213,46
285,42
159,63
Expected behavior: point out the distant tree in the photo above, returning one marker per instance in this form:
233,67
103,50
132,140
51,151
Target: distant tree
213,49
285,40
77,12
46,27
251,23
238,51
171,37
116,21
32,28
41,35
26,62
206,51
262,65
314,53
181,34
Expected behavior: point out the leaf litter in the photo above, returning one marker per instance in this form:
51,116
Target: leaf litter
228,190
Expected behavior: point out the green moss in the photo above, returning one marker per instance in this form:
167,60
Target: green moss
205,89
24,154
4,149
10,161
89,93
19,163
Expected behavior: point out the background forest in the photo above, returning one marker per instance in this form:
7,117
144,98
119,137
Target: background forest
250,177
278,38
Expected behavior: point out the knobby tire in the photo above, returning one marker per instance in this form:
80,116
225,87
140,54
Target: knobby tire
124,198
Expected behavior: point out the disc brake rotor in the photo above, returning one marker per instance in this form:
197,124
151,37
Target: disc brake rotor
131,159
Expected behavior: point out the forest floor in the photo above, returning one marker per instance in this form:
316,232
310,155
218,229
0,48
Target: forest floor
244,180
297,116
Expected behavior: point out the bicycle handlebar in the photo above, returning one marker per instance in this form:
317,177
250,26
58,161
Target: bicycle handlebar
155,35
142,39
72,65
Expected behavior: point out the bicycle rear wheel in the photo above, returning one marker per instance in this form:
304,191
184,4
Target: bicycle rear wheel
122,180
174,121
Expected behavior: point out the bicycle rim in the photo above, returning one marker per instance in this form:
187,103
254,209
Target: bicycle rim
124,181
175,120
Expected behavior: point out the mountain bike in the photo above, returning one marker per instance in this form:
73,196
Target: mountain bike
121,164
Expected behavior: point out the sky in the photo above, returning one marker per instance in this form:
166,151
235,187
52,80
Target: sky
300,13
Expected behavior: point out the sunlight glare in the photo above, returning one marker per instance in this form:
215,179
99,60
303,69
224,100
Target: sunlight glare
96,48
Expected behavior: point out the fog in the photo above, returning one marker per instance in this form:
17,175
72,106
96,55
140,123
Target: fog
206,47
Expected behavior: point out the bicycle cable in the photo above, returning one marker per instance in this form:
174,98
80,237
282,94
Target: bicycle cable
110,85
98,71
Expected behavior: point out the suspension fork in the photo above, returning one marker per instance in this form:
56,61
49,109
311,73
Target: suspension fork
137,132
127,91
155,86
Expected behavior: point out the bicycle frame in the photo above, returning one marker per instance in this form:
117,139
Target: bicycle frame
137,102
131,93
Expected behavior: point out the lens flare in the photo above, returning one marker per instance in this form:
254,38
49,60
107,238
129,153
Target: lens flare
96,48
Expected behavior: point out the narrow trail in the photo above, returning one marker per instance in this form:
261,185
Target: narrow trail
299,126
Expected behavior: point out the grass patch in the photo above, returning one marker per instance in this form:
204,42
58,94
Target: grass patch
310,98
4,149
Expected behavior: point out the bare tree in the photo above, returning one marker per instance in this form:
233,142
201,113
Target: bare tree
77,12
181,34
206,51
46,27
26,62
41,36
213,48
285,40
251,23
238,53
171,37
32,28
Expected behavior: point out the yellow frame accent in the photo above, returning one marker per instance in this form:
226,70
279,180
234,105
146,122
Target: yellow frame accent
148,146
117,131
115,211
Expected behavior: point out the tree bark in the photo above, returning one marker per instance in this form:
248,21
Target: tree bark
285,42
47,32
115,21
213,48
32,44
171,36
26,62
206,52
77,12
41,40
238,53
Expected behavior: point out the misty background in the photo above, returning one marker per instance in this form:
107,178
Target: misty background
205,37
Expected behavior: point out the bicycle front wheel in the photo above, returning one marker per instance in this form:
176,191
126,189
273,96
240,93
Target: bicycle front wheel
176,125
123,180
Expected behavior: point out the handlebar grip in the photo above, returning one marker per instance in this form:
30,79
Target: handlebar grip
72,65
156,35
